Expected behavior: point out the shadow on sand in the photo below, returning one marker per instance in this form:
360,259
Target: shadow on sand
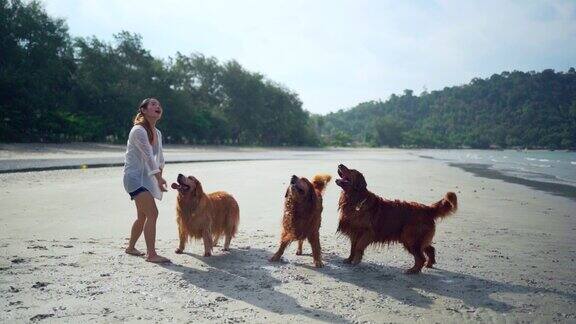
246,275
393,282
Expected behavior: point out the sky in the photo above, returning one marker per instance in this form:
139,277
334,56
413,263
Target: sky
336,54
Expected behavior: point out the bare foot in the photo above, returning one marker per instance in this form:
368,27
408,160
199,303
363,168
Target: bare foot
206,254
157,259
179,251
133,251
318,264
299,252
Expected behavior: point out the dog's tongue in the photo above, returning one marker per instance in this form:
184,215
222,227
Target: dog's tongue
175,185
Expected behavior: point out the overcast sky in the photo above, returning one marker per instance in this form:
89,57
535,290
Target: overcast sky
336,54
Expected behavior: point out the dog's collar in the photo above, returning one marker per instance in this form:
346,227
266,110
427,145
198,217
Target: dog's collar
359,206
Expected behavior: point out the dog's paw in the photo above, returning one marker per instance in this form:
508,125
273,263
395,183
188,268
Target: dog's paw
318,264
355,262
298,252
274,259
179,251
347,261
207,254
226,249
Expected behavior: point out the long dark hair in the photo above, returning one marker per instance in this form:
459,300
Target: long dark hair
141,120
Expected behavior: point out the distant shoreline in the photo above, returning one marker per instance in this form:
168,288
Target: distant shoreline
38,157
484,171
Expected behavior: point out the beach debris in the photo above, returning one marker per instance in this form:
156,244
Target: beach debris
40,317
40,284
18,260
37,247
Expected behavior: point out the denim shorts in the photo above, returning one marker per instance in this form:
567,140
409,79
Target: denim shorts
136,192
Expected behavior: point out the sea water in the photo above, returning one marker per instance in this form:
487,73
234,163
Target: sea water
547,166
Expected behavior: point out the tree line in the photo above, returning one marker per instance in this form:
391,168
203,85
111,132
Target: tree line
507,110
57,88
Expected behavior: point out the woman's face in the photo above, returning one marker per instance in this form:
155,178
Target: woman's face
153,110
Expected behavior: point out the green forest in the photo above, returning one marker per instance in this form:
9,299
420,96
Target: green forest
507,110
58,88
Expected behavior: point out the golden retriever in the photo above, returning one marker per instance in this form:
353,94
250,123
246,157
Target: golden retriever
302,215
367,218
206,216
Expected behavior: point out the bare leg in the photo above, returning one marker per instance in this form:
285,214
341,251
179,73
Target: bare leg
299,250
361,245
276,257
207,243
431,254
135,233
145,204
316,250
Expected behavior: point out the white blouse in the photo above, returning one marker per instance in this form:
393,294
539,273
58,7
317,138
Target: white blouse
143,161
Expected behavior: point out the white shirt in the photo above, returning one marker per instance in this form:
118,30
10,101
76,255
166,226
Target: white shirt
143,161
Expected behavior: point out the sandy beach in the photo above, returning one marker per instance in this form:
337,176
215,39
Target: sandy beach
507,255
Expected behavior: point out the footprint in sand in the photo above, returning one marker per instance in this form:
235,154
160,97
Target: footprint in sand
40,284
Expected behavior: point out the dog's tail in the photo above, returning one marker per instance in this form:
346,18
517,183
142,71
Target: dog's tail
320,182
445,207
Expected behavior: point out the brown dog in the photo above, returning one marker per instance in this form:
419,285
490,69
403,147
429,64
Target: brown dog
302,215
367,218
206,216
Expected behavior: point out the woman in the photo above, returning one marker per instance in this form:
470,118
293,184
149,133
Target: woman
143,176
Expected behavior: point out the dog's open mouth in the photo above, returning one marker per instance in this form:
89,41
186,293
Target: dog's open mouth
180,185
342,172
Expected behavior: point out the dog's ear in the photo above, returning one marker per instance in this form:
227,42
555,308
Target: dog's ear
359,182
311,194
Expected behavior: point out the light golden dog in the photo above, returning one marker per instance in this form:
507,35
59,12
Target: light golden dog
206,216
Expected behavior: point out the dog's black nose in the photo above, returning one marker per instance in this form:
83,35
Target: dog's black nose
180,175
293,179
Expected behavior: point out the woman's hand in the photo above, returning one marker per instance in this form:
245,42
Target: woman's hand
161,182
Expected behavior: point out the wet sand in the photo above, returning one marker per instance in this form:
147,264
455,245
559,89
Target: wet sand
506,256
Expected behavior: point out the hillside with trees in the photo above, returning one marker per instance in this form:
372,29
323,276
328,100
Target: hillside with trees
510,109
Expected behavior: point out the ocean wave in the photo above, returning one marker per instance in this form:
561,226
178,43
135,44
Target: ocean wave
540,165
